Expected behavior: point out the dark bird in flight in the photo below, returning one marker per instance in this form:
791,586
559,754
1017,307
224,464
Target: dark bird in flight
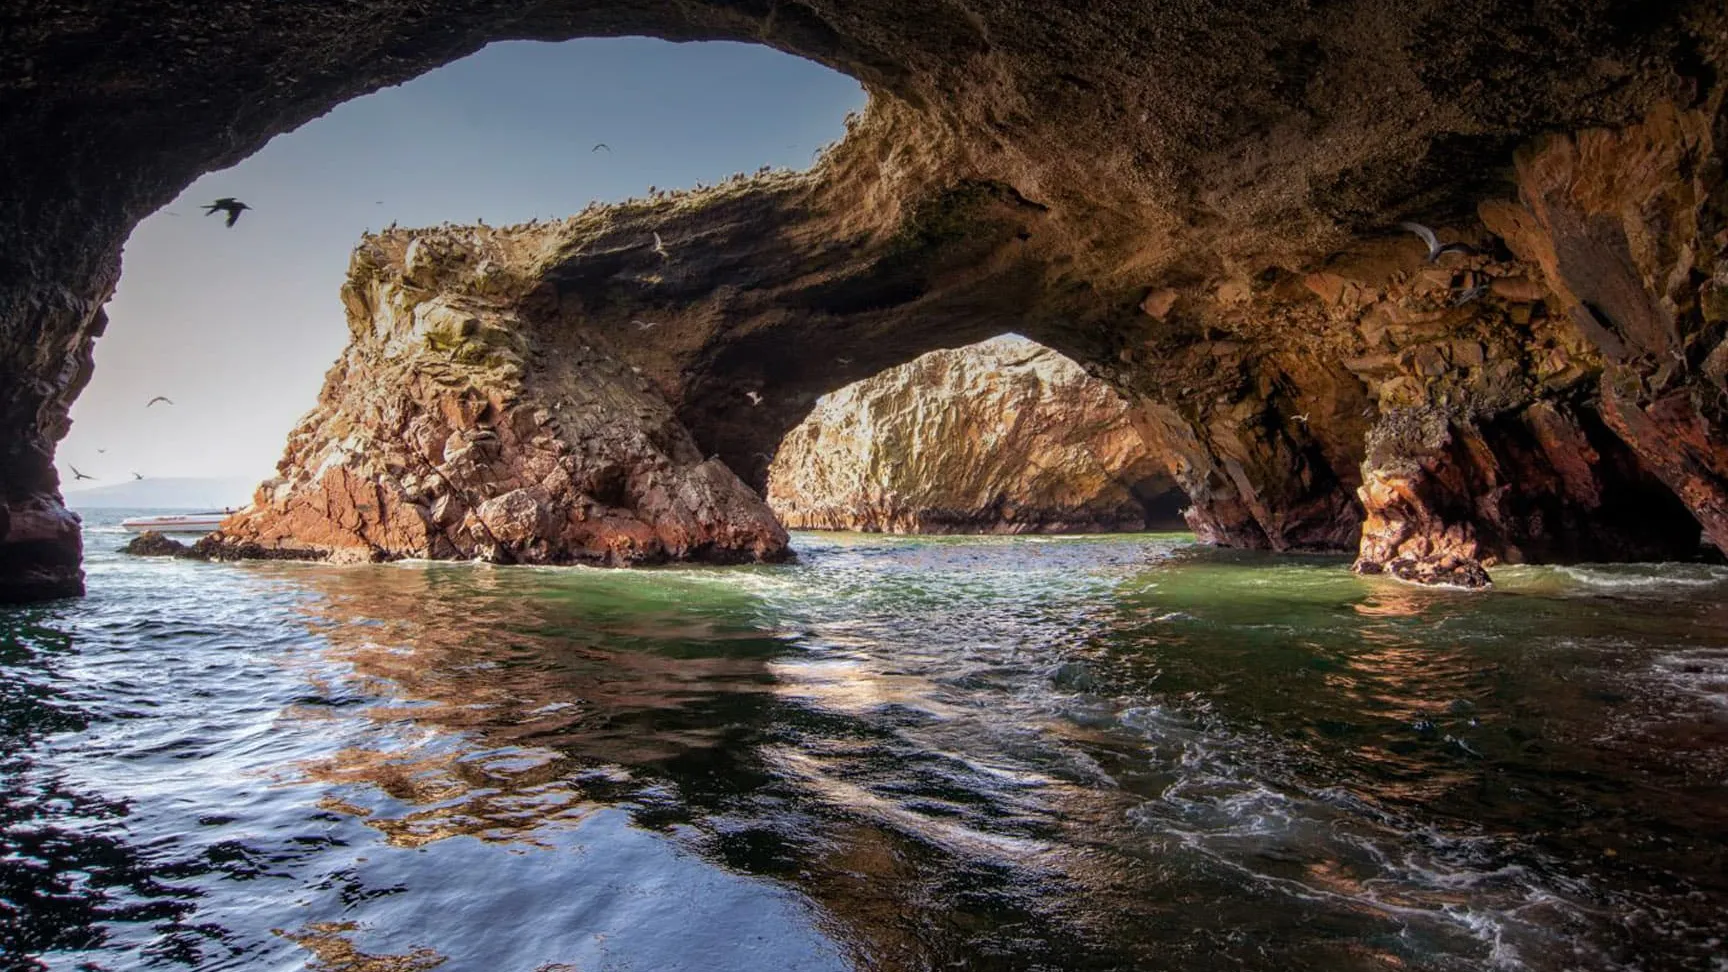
598,146
101,452
1435,248
227,204
136,477
76,475
158,398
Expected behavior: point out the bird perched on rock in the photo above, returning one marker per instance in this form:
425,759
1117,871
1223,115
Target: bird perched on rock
660,247
227,204
755,398
76,475
1435,248
159,398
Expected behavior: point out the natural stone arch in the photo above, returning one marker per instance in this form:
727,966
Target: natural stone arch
1174,169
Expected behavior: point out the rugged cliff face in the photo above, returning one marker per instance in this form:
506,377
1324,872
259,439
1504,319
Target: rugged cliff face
1196,201
998,437
457,425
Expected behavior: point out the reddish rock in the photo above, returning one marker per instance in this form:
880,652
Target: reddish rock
1446,497
1627,225
455,425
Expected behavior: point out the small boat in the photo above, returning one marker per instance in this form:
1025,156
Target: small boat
178,523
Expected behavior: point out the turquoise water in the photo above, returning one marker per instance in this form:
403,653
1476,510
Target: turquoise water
944,753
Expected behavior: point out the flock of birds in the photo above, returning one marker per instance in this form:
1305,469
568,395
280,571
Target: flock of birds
78,474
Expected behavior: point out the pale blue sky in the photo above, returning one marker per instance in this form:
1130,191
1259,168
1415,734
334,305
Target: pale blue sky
238,325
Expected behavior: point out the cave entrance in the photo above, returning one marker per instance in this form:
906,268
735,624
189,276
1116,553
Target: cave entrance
238,326
1002,436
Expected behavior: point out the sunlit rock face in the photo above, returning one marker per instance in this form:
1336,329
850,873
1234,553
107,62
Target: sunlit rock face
456,425
999,437
1198,202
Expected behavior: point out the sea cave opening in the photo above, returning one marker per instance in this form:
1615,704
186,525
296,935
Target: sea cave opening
237,326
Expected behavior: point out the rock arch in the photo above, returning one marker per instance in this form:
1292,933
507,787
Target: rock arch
1191,199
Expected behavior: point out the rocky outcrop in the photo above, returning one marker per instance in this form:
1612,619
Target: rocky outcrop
459,424
1449,495
150,543
41,547
1195,201
998,437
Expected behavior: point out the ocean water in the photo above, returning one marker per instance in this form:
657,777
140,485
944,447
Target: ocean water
948,753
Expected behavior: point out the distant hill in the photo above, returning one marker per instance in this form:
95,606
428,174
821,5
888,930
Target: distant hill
185,493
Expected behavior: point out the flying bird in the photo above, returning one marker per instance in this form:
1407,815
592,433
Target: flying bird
755,399
101,452
227,204
76,475
660,247
1303,418
158,398
844,361
645,325
136,477
598,146
1435,247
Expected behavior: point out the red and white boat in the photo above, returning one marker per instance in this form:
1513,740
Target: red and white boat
178,523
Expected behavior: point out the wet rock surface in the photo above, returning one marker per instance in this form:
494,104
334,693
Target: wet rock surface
998,437
1198,202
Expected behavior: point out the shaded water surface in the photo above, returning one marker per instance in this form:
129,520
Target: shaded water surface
953,753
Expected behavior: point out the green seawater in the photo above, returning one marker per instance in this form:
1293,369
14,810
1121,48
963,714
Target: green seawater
1090,753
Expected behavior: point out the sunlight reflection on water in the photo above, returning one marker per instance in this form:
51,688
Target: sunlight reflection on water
1086,753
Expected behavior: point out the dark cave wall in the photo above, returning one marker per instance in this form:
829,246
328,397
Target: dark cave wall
1189,200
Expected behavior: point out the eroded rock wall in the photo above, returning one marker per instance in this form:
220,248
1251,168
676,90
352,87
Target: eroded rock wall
1630,227
457,424
1149,189
999,437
